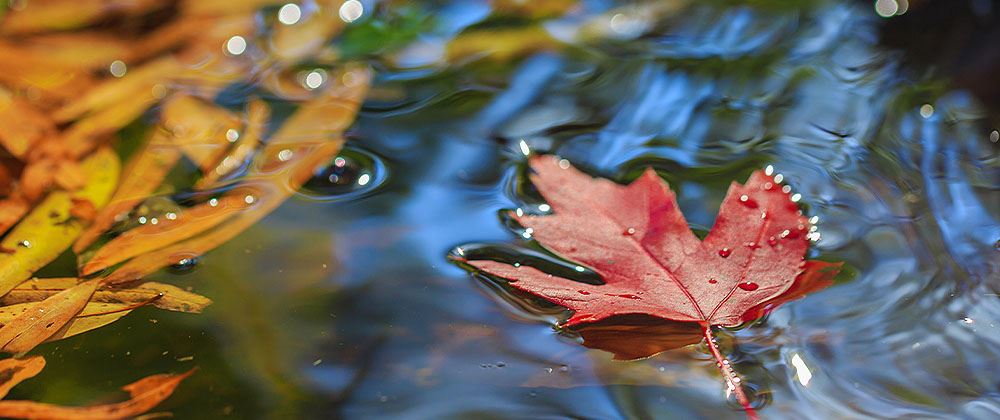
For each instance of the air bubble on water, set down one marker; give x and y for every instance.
(354, 174)
(778, 178)
(769, 170)
(786, 189)
(185, 265)
(563, 163)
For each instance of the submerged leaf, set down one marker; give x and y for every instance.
(145, 394)
(14, 371)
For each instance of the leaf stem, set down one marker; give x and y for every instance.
(732, 380)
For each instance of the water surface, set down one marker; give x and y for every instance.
(343, 304)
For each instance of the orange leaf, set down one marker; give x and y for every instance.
(14, 371)
(144, 173)
(308, 139)
(150, 237)
(202, 130)
(257, 116)
(145, 394)
(33, 327)
(11, 211)
(21, 125)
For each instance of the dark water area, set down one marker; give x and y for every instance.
(343, 303)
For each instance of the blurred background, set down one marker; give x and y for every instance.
(342, 303)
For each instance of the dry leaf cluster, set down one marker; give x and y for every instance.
(73, 74)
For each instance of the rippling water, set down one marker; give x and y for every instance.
(343, 302)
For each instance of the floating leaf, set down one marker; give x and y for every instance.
(309, 138)
(637, 240)
(257, 117)
(202, 130)
(150, 237)
(45, 318)
(163, 296)
(49, 229)
(21, 124)
(145, 394)
(146, 170)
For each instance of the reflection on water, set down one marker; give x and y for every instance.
(344, 302)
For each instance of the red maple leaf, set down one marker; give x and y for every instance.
(635, 237)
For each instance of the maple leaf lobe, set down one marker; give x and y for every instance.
(636, 238)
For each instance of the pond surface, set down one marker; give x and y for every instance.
(343, 303)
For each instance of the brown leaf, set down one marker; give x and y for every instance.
(145, 394)
(45, 318)
(14, 371)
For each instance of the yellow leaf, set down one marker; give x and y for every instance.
(48, 229)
